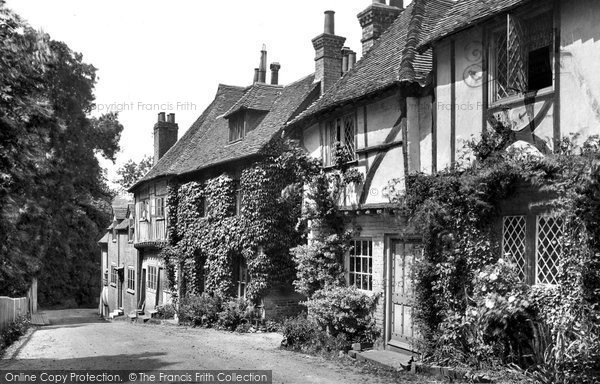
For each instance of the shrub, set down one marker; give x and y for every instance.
(345, 312)
(237, 312)
(13, 332)
(304, 334)
(201, 309)
(166, 311)
(320, 264)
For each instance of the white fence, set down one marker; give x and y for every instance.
(11, 308)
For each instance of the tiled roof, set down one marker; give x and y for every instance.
(120, 212)
(463, 14)
(124, 224)
(104, 238)
(206, 143)
(392, 59)
(259, 97)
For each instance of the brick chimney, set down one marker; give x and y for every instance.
(275, 67)
(328, 54)
(165, 135)
(376, 19)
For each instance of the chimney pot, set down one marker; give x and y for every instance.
(256, 75)
(351, 59)
(262, 72)
(171, 118)
(161, 117)
(275, 67)
(397, 3)
(329, 22)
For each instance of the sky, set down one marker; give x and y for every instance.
(154, 56)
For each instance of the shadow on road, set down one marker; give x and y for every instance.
(73, 316)
(142, 361)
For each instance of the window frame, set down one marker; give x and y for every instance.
(352, 281)
(503, 25)
(152, 278)
(114, 275)
(531, 267)
(131, 231)
(334, 132)
(144, 208)
(237, 127)
(159, 207)
(131, 279)
(537, 252)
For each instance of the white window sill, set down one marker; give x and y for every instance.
(131, 291)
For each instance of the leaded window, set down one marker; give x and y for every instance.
(548, 249)
(521, 55)
(341, 130)
(513, 242)
(360, 265)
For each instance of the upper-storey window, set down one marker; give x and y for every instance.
(160, 207)
(340, 130)
(521, 54)
(237, 127)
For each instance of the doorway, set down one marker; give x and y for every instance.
(401, 329)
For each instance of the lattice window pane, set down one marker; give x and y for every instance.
(517, 62)
(513, 241)
(548, 249)
(349, 135)
(501, 62)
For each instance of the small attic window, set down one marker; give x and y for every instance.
(237, 127)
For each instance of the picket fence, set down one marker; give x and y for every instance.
(12, 308)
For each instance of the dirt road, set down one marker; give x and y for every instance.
(77, 339)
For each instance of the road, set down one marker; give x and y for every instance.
(77, 339)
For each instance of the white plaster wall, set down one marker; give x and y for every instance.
(442, 105)
(381, 117)
(469, 95)
(425, 135)
(580, 64)
(312, 140)
(413, 134)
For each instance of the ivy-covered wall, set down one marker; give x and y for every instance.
(207, 236)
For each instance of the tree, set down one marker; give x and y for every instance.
(55, 199)
(131, 171)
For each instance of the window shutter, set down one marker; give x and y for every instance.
(517, 56)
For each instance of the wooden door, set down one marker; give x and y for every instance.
(402, 332)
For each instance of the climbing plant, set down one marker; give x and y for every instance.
(471, 307)
(208, 235)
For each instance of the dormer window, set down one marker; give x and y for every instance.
(237, 127)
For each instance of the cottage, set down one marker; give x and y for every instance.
(221, 147)
(529, 66)
(119, 262)
(380, 110)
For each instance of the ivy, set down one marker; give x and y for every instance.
(470, 308)
(207, 237)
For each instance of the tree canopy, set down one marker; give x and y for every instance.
(55, 199)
